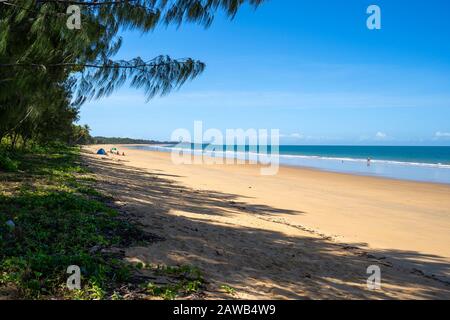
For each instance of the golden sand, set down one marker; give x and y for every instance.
(299, 234)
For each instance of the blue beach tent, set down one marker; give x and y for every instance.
(102, 152)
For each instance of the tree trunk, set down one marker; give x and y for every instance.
(14, 141)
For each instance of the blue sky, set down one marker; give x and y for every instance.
(309, 68)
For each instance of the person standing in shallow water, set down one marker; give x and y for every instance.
(368, 162)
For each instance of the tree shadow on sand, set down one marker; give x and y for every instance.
(282, 262)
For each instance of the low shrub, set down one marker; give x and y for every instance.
(7, 164)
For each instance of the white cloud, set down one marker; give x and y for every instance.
(442, 134)
(381, 135)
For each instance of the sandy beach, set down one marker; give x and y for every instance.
(301, 234)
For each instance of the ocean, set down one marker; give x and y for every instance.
(427, 164)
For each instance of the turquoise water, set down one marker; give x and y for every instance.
(430, 164)
(430, 155)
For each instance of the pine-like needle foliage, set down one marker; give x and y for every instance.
(42, 60)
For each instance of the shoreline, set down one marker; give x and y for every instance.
(385, 169)
(403, 223)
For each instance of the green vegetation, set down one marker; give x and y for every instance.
(105, 140)
(60, 220)
(185, 280)
(228, 289)
(7, 164)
